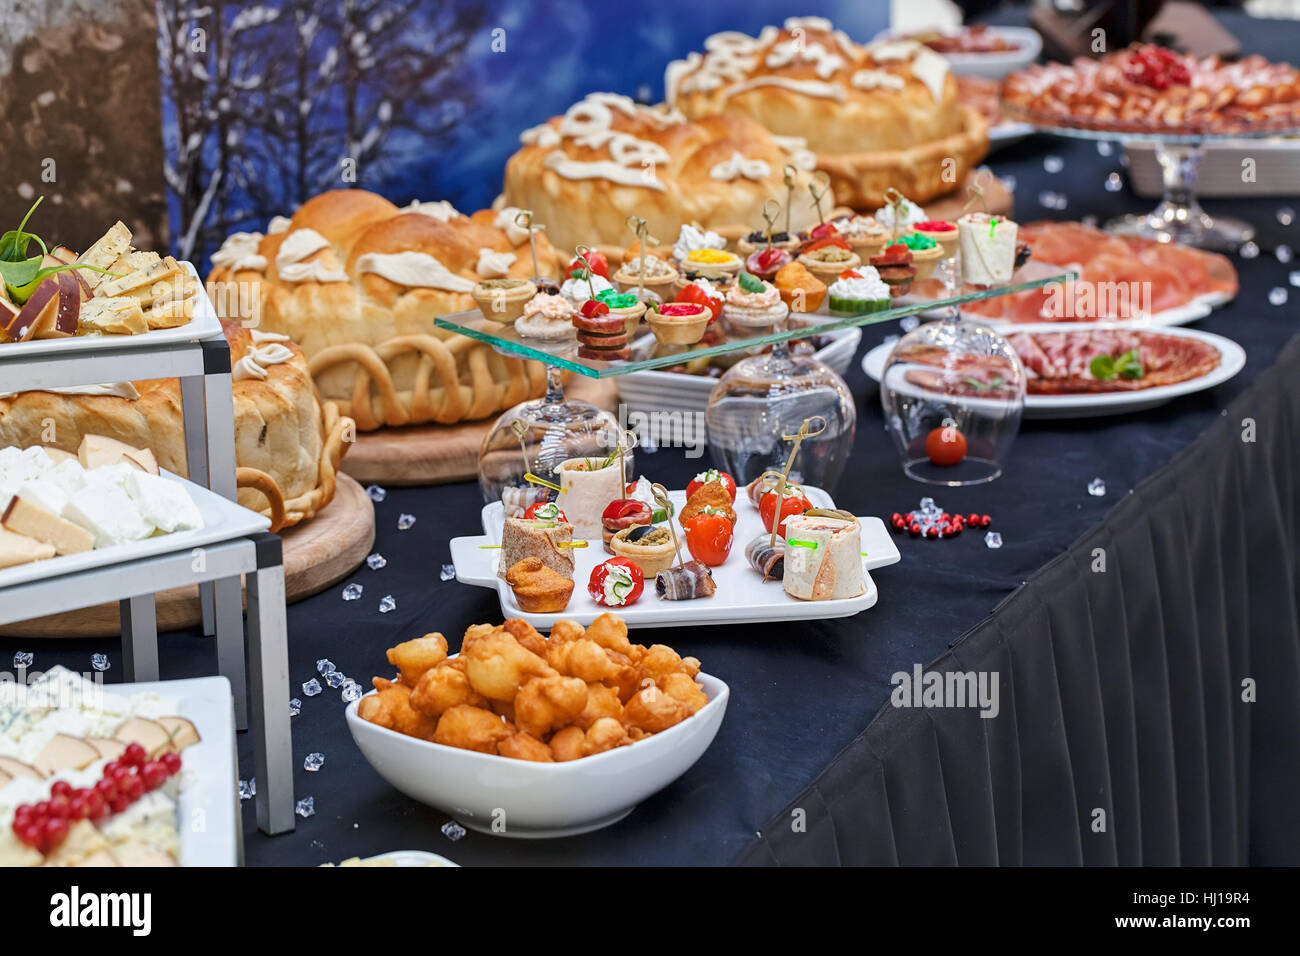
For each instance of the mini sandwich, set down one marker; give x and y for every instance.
(533, 538)
(988, 248)
(823, 556)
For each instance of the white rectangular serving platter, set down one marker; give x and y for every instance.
(206, 809)
(222, 521)
(741, 596)
(204, 325)
(1232, 359)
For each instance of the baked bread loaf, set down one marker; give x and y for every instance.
(357, 282)
(287, 443)
(875, 116)
(608, 158)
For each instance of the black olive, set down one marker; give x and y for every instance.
(639, 532)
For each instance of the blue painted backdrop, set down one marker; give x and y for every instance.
(268, 104)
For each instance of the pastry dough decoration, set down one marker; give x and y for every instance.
(875, 116)
(369, 337)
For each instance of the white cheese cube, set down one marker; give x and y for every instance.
(68, 476)
(107, 512)
(44, 494)
(110, 475)
(164, 502)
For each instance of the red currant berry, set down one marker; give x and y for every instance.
(106, 789)
(31, 832)
(172, 762)
(96, 806)
(79, 807)
(134, 788)
(932, 532)
(154, 774)
(985, 521)
(914, 530)
(60, 807)
(119, 803)
(111, 768)
(134, 756)
(55, 831)
(60, 788)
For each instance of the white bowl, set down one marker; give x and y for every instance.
(520, 798)
(995, 66)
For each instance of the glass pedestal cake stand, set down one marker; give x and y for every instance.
(1179, 216)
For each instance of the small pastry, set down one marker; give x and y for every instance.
(617, 582)
(691, 238)
(766, 263)
(823, 558)
(723, 478)
(912, 214)
(988, 248)
(712, 494)
(757, 240)
(547, 318)
(894, 266)
(626, 305)
(503, 300)
(536, 538)
(712, 263)
(800, 289)
(537, 588)
(588, 485)
(827, 258)
(622, 514)
(577, 290)
(753, 304)
(859, 291)
(862, 233)
(942, 232)
(659, 275)
(687, 582)
(679, 323)
(926, 253)
(650, 546)
(703, 292)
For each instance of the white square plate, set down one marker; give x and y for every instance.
(741, 594)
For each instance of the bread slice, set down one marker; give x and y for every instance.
(120, 315)
(106, 250)
(23, 517)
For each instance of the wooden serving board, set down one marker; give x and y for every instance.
(440, 454)
(317, 553)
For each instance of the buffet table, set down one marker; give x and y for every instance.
(1119, 690)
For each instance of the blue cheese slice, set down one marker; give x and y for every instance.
(107, 250)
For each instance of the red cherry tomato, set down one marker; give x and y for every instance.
(795, 504)
(599, 264)
(709, 536)
(594, 307)
(531, 511)
(946, 446)
(694, 295)
(822, 230)
(704, 477)
(627, 586)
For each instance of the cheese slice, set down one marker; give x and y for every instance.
(138, 282)
(119, 315)
(83, 844)
(23, 517)
(133, 261)
(110, 246)
(97, 451)
(106, 512)
(170, 315)
(163, 502)
(58, 454)
(143, 459)
(18, 549)
(44, 494)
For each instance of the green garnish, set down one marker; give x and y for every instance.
(617, 300)
(1105, 368)
(916, 241)
(23, 274)
(981, 386)
(750, 283)
(799, 543)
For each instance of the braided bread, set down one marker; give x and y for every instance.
(357, 283)
(287, 444)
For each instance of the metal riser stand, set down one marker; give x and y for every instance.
(203, 368)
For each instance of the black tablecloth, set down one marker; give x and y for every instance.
(1192, 777)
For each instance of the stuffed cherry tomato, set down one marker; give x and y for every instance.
(599, 264)
(794, 503)
(546, 510)
(709, 535)
(616, 582)
(704, 477)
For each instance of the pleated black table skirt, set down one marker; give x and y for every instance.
(1148, 689)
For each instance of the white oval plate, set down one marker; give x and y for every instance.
(1232, 358)
(992, 65)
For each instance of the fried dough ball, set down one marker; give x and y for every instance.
(602, 701)
(527, 635)
(443, 687)
(415, 657)
(391, 708)
(568, 743)
(503, 709)
(626, 678)
(605, 734)
(522, 746)
(682, 687)
(497, 665)
(610, 632)
(581, 658)
(473, 633)
(545, 703)
(660, 660)
(653, 710)
(566, 630)
(471, 728)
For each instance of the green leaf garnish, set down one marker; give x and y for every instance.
(22, 274)
(21, 293)
(13, 244)
(1105, 368)
(750, 283)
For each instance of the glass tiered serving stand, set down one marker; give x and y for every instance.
(538, 435)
